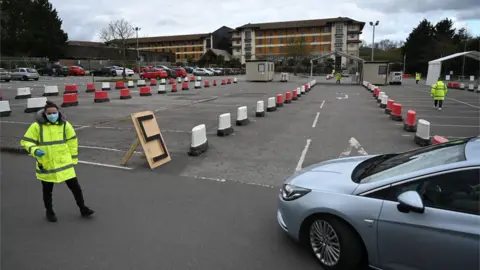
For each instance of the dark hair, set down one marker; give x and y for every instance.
(50, 104)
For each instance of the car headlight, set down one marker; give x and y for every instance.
(291, 192)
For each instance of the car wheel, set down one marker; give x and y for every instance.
(36, 79)
(25, 78)
(7, 80)
(334, 244)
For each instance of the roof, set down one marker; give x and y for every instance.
(85, 43)
(169, 38)
(299, 24)
(224, 53)
(346, 55)
(472, 54)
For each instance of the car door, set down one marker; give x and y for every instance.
(445, 236)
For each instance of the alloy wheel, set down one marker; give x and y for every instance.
(325, 243)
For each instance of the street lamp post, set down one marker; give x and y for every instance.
(464, 50)
(373, 35)
(138, 52)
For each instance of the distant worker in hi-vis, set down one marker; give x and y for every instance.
(417, 77)
(339, 77)
(439, 91)
(54, 144)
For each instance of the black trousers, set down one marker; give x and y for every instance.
(72, 184)
(416, 81)
(438, 103)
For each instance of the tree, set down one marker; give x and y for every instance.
(117, 32)
(418, 47)
(220, 60)
(386, 45)
(31, 28)
(296, 49)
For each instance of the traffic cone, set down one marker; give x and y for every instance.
(223, 82)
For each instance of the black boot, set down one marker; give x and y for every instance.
(86, 212)
(50, 215)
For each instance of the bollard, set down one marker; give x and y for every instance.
(174, 88)
(383, 103)
(388, 109)
(471, 87)
(185, 86)
(199, 143)
(224, 125)
(478, 89)
(179, 80)
(271, 106)
(410, 124)
(223, 82)
(229, 81)
(162, 81)
(235, 80)
(90, 88)
(35, 104)
(70, 100)
(422, 136)
(106, 86)
(380, 95)
(162, 89)
(197, 84)
(5, 108)
(242, 116)
(462, 86)
(396, 113)
(294, 94)
(199, 78)
(279, 100)
(185, 79)
(206, 84)
(299, 92)
(171, 81)
(260, 111)
(141, 83)
(214, 82)
(376, 91)
(125, 94)
(130, 84)
(288, 98)
(302, 89)
(50, 90)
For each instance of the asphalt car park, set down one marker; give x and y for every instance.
(459, 117)
(177, 211)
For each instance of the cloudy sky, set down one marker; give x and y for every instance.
(83, 19)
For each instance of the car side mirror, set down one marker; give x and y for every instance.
(410, 201)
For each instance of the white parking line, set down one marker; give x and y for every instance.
(104, 165)
(323, 103)
(302, 156)
(315, 120)
(105, 149)
(459, 101)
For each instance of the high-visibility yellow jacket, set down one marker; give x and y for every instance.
(60, 144)
(417, 76)
(439, 90)
(339, 76)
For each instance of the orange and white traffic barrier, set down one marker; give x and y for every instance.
(199, 144)
(242, 116)
(422, 136)
(153, 82)
(101, 96)
(279, 100)
(288, 97)
(439, 140)
(174, 88)
(383, 102)
(223, 82)
(145, 91)
(90, 88)
(162, 89)
(130, 84)
(271, 106)
(70, 100)
(71, 88)
(185, 86)
(294, 94)
(396, 113)
(410, 124)
(119, 85)
(388, 109)
(106, 86)
(23, 93)
(125, 94)
(206, 84)
(214, 82)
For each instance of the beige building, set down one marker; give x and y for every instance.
(321, 36)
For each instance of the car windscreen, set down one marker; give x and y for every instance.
(2, 70)
(31, 70)
(418, 159)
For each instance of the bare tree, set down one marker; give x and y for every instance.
(117, 32)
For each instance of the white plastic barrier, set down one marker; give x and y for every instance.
(383, 102)
(302, 89)
(478, 89)
(130, 84)
(380, 96)
(422, 136)
(224, 125)
(299, 92)
(260, 111)
(242, 116)
(271, 105)
(5, 108)
(162, 89)
(235, 80)
(186, 79)
(471, 87)
(50, 90)
(199, 143)
(105, 86)
(23, 93)
(35, 104)
(199, 78)
(197, 84)
(179, 79)
(141, 83)
(163, 81)
(462, 86)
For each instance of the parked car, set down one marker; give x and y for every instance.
(215, 72)
(48, 71)
(155, 73)
(76, 71)
(345, 73)
(220, 71)
(142, 69)
(189, 69)
(118, 71)
(171, 73)
(386, 208)
(24, 74)
(5, 75)
(180, 72)
(202, 72)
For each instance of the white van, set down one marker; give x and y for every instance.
(395, 77)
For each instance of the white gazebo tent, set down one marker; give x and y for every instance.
(435, 66)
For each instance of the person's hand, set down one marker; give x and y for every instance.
(39, 153)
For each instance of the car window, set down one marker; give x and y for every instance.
(426, 157)
(454, 191)
(2, 70)
(31, 70)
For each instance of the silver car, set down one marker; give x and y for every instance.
(25, 74)
(5, 75)
(414, 210)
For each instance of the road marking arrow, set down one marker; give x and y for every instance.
(353, 143)
(344, 97)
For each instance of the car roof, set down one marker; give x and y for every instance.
(472, 149)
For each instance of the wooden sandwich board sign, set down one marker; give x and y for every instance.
(151, 139)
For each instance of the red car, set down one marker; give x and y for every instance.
(142, 69)
(154, 74)
(76, 71)
(180, 72)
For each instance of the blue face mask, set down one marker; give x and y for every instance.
(52, 118)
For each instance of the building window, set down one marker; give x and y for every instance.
(269, 41)
(261, 67)
(339, 28)
(270, 49)
(281, 40)
(260, 41)
(326, 47)
(185, 49)
(237, 50)
(339, 41)
(326, 29)
(352, 36)
(260, 50)
(314, 30)
(314, 39)
(314, 47)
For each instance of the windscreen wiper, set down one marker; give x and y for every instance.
(366, 172)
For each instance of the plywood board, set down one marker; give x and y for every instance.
(151, 138)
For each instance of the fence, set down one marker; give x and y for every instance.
(10, 63)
